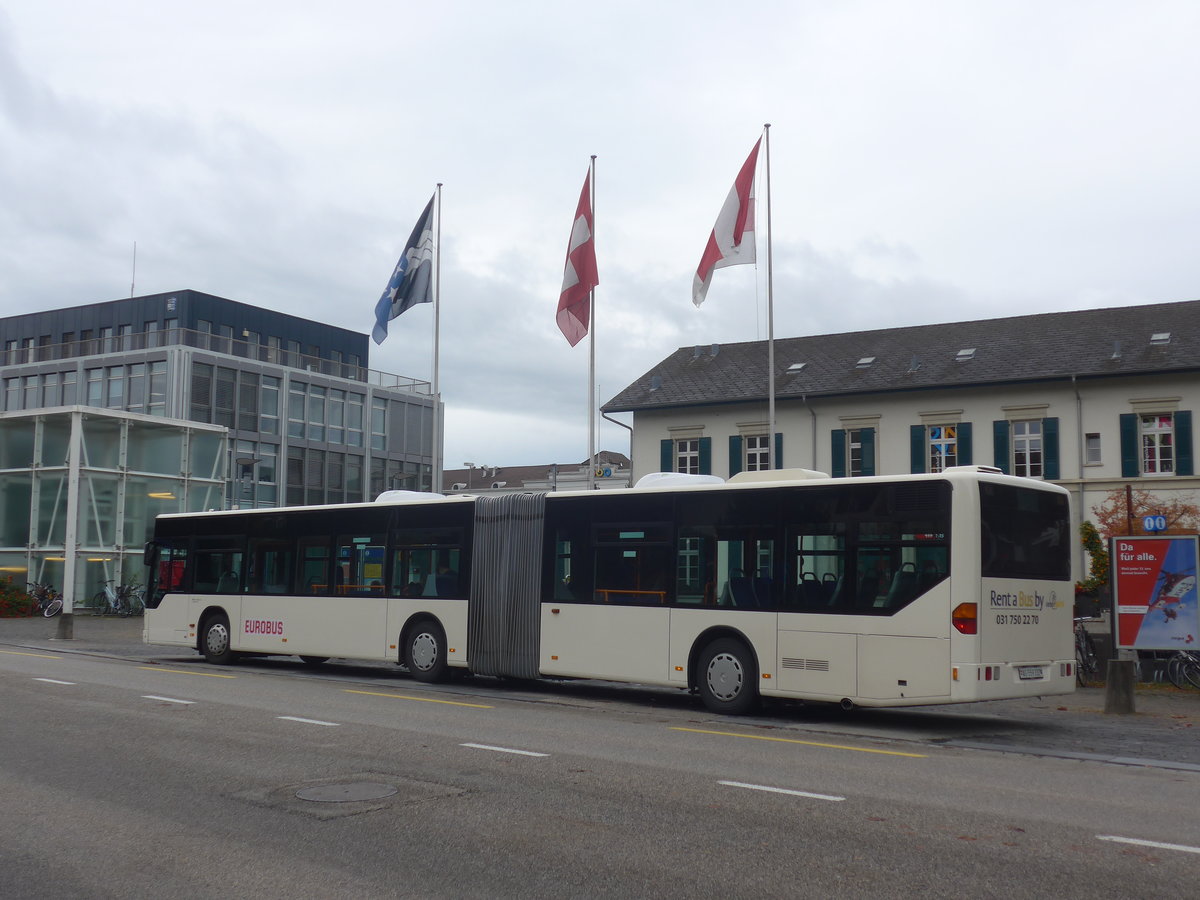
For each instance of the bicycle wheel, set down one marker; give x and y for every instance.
(99, 602)
(53, 608)
(1191, 669)
(1086, 660)
(1174, 669)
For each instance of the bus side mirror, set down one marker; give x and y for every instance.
(148, 554)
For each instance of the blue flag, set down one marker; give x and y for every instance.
(412, 281)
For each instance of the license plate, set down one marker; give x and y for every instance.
(1029, 673)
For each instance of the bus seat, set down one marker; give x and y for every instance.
(447, 584)
(811, 593)
(829, 583)
(868, 591)
(842, 596)
(762, 591)
(904, 586)
(227, 583)
(741, 592)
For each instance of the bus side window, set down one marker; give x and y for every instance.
(313, 566)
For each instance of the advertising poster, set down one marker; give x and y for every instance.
(1154, 581)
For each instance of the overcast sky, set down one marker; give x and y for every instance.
(930, 162)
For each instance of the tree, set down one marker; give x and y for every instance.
(1121, 512)
(1098, 568)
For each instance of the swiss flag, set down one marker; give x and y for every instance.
(732, 240)
(579, 273)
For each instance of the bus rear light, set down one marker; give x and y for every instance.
(965, 618)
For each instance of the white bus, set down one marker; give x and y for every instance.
(877, 591)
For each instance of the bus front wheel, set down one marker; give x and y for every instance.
(216, 640)
(425, 651)
(728, 677)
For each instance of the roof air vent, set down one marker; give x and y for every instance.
(655, 382)
(1116, 354)
(915, 364)
(1160, 338)
(964, 355)
(715, 349)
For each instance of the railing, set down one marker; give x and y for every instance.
(203, 340)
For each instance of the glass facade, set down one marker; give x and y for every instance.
(79, 490)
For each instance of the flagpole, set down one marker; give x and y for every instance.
(436, 485)
(591, 482)
(771, 461)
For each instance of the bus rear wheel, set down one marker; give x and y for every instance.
(216, 640)
(425, 651)
(728, 677)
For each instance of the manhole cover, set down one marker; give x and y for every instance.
(347, 793)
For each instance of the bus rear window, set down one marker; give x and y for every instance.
(1025, 533)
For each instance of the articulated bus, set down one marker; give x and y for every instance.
(873, 591)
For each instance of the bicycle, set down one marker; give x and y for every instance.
(1184, 668)
(1087, 660)
(46, 599)
(110, 600)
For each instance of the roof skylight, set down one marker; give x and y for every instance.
(963, 355)
(865, 362)
(1159, 338)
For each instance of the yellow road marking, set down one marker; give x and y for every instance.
(38, 655)
(421, 699)
(760, 737)
(185, 672)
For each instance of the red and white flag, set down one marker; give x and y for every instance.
(732, 240)
(579, 274)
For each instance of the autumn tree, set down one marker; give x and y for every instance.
(1121, 512)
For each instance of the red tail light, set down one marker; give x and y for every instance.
(966, 618)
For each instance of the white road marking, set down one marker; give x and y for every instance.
(166, 699)
(1124, 840)
(53, 681)
(775, 790)
(306, 721)
(503, 750)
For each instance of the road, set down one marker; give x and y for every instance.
(167, 777)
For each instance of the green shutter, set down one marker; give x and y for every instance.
(705, 456)
(868, 450)
(666, 455)
(1129, 445)
(916, 448)
(965, 454)
(1183, 444)
(735, 454)
(1000, 445)
(1050, 469)
(779, 449)
(837, 450)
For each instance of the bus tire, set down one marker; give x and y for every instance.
(728, 677)
(425, 651)
(216, 640)
(314, 660)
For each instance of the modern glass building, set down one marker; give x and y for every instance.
(185, 401)
(80, 487)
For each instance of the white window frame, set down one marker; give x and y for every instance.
(1027, 448)
(756, 452)
(687, 455)
(1091, 441)
(944, 437)
(1156, 434)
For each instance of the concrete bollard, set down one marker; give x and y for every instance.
(1118, 692)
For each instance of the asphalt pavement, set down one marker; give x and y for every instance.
(1163, 732)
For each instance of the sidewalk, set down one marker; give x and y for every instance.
(1165, 730)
